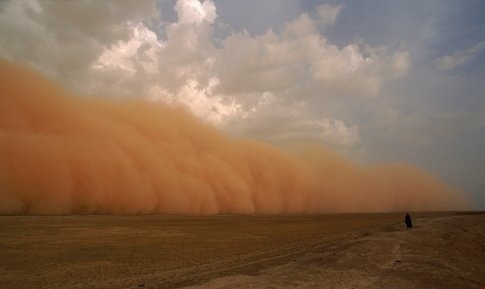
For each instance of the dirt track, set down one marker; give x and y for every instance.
(442, 252)
(359, 250)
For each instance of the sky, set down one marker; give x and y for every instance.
(377, 81)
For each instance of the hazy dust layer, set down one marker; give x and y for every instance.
(64, 154)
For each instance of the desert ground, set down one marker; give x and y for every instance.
(443, 250)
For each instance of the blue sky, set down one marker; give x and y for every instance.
(379, 81)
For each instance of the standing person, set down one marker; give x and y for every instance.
(407, 220)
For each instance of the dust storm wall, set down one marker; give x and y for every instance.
(64, 154)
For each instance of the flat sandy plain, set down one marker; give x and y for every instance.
(444, 250)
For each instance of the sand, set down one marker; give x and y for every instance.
(444, 250)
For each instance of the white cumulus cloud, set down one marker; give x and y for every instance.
(272, 86)
(461, 57)
(328, 14)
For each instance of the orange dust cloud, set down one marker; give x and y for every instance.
(63, 154)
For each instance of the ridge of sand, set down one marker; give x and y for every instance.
(440, 252)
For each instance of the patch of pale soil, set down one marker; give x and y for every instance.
(440, 252)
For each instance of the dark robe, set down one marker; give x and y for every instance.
(407, 220)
